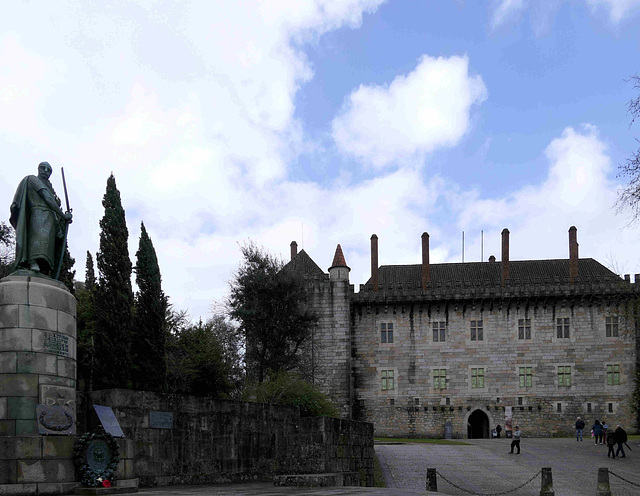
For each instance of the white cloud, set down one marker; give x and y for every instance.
(190, 105)
(427, 109)
(618, 9)
(577, 191)
(505, 10)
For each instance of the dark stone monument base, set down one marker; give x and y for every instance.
(48, 488)
(318, 480)
(125, 486)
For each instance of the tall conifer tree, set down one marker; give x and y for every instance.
(148, 338)
(114, 297)
(86, 324)
(90, 273)
(67, 275)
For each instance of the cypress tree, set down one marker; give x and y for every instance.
(114, 297)
(67, 275)
(148, 339)
(86, 324)
(90, 274)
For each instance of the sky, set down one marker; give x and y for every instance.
(324, 122)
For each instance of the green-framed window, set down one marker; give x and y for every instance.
(564, 376)
(613, 375)
(387, 380)
(439, 378)
(477, 378)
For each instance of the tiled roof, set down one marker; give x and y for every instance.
(480, 279)
(338, 259)
(303, 264)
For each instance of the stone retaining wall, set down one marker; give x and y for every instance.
(214, 441)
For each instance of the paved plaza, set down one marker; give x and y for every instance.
(483, 467)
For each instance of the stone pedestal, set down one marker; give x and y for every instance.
(37, 367)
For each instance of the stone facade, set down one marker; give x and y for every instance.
(464, 344)
(214, 441)
(37, 367)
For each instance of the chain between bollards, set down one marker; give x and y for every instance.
(432, 484)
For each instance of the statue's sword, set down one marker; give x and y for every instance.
(66, 226)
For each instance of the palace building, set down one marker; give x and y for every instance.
(455, 349)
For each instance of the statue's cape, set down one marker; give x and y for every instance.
(18, 217)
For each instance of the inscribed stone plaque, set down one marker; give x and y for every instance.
(108, 420)
(56, 343)
(55, 420)
(161, 420)
(51, 395)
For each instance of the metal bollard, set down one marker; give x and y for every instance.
(546, 486)
(432, 483)
(603, 488)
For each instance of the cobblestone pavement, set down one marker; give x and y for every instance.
(482, 467)
(487, 467)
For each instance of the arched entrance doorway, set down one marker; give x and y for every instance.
(478, 425)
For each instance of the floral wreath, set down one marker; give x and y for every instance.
(87, 476)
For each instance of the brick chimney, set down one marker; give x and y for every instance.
(426, 276)
(294, 249)
(505, 255)
(374, 262)
(573, 254)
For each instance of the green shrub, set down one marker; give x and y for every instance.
(288, 388)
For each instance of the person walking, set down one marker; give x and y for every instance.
(515, 443)
(579, 428)
(597, 431)
(605, 427)
(498, 431)
(611, 441)
(621, 439)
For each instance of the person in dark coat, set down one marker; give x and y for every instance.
(579, 427)
(611, 441)
(621, 438)
(498, 431)
(515, 443)
(597, 431)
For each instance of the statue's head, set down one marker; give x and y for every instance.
(44, 169)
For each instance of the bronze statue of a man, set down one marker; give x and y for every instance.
(39, 222)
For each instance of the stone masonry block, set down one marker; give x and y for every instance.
(8, 472)
(22, 407)
(8, 362)
(7, 427)
(45, 471)
(19, 489)
(3, 407)
(57, 381)
(13, 448)
(14, 339)
(55, 297)
(13, 292)
(66, 324)
(25, 427)
(9, 316)
(129, 469)
(37, 363)
(30, 316)
(57, 446)
(127, 447)
(66, 367)
(18, 385)
(52, 488)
